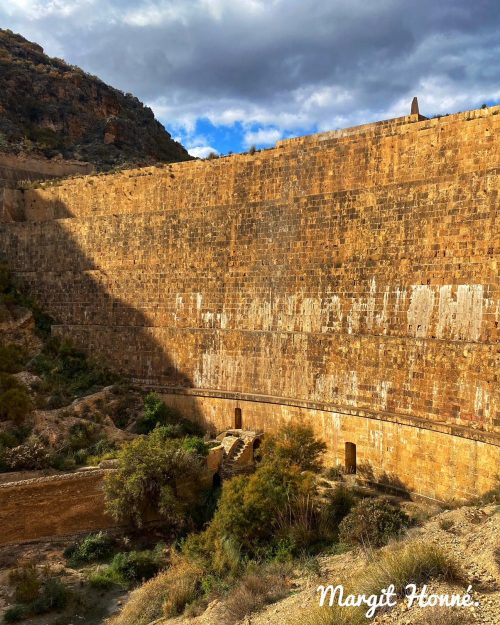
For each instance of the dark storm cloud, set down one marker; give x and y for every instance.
(281, 63)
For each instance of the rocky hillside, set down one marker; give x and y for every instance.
(50, 108)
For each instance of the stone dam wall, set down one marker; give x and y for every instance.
(56, 505)
(349, 280)
(65, 504)
(15, 169)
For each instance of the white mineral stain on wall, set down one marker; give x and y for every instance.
(383, 318)
(449, 311)
(400, 301)
(199, 300)
(420, 310)
(482, 402)
(377, 440)
(310, 314)
(469, 311)
(460, 317)
(332, 318)
(352, 390)
(446, 310)
(326, 388)
(354, 316)
(383, 390)
(435, 393)
(370, 305)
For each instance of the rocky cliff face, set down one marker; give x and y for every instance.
(50, 108)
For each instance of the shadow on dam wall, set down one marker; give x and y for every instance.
(50, 267)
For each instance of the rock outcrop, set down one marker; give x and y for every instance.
(50, 108)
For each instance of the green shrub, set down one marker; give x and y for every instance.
(68, 372)
(195, 445)
(82, 435)
(372, 523)
(134, 566)
(104, 578)
(8, 382)
(5, 279)
(255, 513)
(157, 413)
(3, 461)
(294, 445)
(12, 358)
(128, 568)
(15, 405)
(26, 583)
(36, 592)
(15, 613)
(145, 483)
(9, 438)
(92, 548)
(102, 446)
(446, 524)
(335, 473)
(53, 596)
(338, 505)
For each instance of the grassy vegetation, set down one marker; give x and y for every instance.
(259, 586)
(401, 564)
(335, 615)
(165, 594)
(443, 616)
(67, 373)
(414, 562)
(262, 524)
(35, 592)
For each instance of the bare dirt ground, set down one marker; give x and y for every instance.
(86, 604)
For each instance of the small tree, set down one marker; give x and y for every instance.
(15, 404)
(294, 445)
(145, 484)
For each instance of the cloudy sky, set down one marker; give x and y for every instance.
(223, 75)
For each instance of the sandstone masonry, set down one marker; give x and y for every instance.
(348, 279)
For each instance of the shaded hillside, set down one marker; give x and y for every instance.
(52, 108)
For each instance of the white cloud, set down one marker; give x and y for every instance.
(281, 66)
(263, 136)
(202, 151)
(156, 13)
(36, 9)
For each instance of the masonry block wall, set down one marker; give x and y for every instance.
(52, 506)
(352, 274)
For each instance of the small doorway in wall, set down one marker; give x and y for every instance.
(238, 424)
(350, 458)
